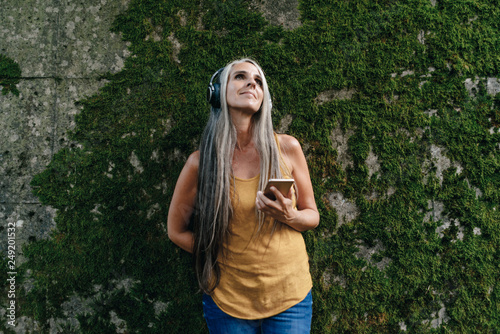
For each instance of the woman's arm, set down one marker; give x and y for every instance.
(182, 204)
(306, 216)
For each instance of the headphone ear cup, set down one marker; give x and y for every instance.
(215, 98)
(213, 90)
(210, 93)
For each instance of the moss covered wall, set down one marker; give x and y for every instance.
(397, 107)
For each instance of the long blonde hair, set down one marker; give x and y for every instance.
(213, 200)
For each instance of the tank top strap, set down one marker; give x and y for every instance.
(283, 166)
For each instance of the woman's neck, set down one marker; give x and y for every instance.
(244, 130)
(246, 161)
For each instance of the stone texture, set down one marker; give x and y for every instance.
(32, 221)
(329, 279)
(86, 47)
(471, 85)
(372, 163)
(330, 95)
(69, 91)
(62, 49)
(27, 136)
(493, 86)
(440, 162)
(283, 13)
(285, 123)
(35, 126)
(347, 211)
(62, 39)
(438, 318)
(28, 35)
(339, 143)
(367, 253)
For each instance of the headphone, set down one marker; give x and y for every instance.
(213, 90)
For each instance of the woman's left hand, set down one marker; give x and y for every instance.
(306, 215)
(280, 209)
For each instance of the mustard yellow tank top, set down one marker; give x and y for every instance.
(263, 273)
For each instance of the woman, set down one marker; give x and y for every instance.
(250, 257)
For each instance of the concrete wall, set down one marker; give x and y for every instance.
(62, 49)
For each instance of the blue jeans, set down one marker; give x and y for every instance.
(295, 320)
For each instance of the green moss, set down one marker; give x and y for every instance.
(10, 73)
(401, 60)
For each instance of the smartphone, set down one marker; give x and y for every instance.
(283, 185)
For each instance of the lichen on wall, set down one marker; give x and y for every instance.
(396, 107)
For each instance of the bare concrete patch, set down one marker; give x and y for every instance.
(160, 307)
(330, 95)
(421, 37)
(176, 45)
(339, 143)
(182, 15)
(329, 279)
(438, 318)
(407, 72)
(33, 221)
(85, 46)
(493, 86)
(431, 113)
(29, 39)
(76, 306)
(471, 85)
(436, 214)
(69, 91)
(283, 13)
(26, 136)
(120, 324)
(367, 253)
(64, 39)
(372, 163)
(155, 35)
(440, 161)
(136, 163)
(347, 211)
(285, 123)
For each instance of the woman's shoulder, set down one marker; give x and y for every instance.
(193, 161)
(289, 145)
(291, 151)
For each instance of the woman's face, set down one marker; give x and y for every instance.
(244, 88)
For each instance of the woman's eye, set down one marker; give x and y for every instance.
(238, 76)
(259, 82)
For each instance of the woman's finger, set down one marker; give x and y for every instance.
(279, 196)
(261, 201)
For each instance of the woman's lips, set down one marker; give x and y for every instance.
(248, 92)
